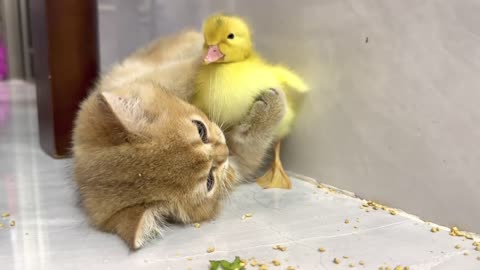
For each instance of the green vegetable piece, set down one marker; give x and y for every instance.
(225, 265)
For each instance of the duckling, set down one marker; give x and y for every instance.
(233, 75)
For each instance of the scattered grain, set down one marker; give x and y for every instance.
(12, 223)
(458, 247)
(197, 225)
(263, 267)
(210, 249)
(322, 249)
(347, 221)
(290, 267)
(276, 262)
(247, 215)
(392, 212)
(351, 265)
(6, 214)
(279, 247)
(361, 262)
(337, 261)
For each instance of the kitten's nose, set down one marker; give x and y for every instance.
(220, 154)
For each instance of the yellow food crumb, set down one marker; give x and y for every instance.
(458, 247)
(210, 249)
(337, 261)
(1, 225)
(355, 227)
(435, 229)
(392, 212)
(351, 265)
(361, 262)
(322, 249)
(387, 268)
(247, 215)
(6, 214)
(347, 221)
(12, 223)
(253, 262)
(399, 267)
(263, 267)
(465, 254)
(476, 244)
(345, 257)
(367, 211)
(189, 258)
(380, 268)
(477, 248)
(406, 268)
(454, 231)
(276, 262)
(279, 247)
(197, 225)
(290, 267)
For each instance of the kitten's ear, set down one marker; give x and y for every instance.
(137, 225)
(128, 110)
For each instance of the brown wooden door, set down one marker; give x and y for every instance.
(66, 64)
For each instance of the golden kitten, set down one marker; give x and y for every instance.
(144, 157)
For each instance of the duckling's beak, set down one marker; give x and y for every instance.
(213, 54)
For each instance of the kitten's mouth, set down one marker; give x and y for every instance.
(210, 181)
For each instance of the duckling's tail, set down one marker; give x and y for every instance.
(290, 79)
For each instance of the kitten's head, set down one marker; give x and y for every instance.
(144, 158)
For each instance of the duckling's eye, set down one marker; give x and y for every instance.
(231, 36)
(202, 130)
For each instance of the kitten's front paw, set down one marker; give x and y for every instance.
(269, 108)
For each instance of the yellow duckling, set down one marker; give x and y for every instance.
(233, 75)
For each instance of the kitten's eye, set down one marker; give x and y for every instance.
(202, 130)
(231, 36)
(210, 181)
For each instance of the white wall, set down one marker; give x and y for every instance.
(395, 120)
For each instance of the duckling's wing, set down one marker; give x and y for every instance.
(290, 79)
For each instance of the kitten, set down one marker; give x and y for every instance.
(143, 156)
